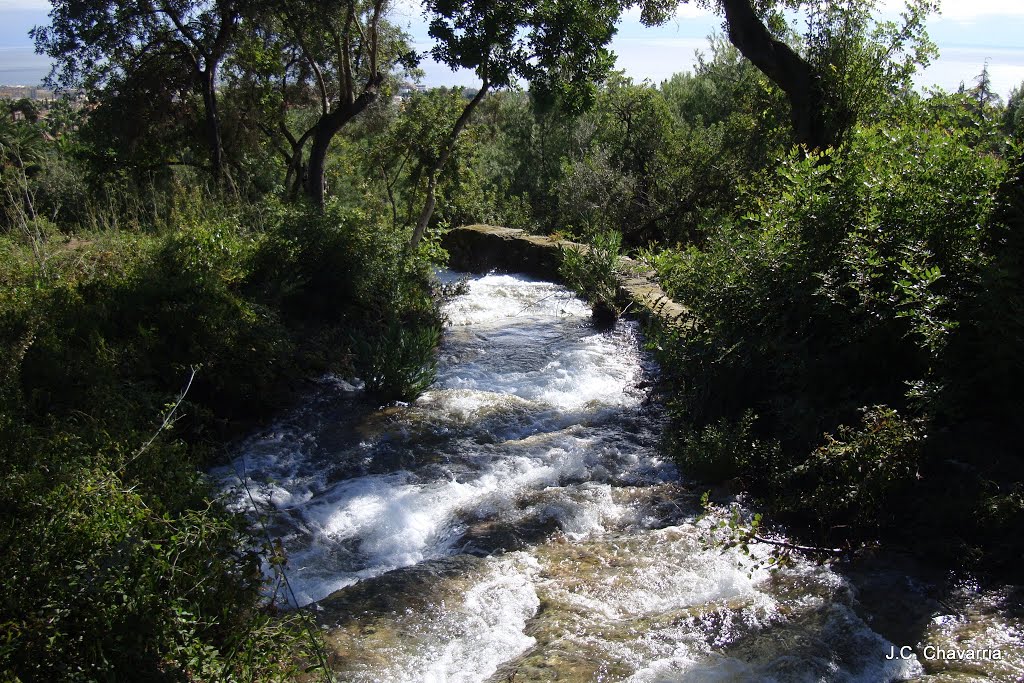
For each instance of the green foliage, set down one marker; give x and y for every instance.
(727, 90)
(410, 146)
(859, 479)
(400, 362)
(615, 184)
(724, 450)
(984, 345)
(591, 271)
(100, 584)
(866, 65)
(143, 123)
(655, 164)
(734, 529)
(873, 274)
(522, 160)
(885, 272)
(559, 47)
(846, 282)
(120, 564)
(864, 253)
(1013, 115)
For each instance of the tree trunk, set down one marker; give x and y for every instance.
(213, 134)
(326, 128)
(316, 181)
(295, 177)
(435, 170)
(788, 70)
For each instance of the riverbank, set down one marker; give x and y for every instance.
(519, 521)
(481, 248)
(950, 612)
(128, 359)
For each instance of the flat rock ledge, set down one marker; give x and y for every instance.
(485, 248)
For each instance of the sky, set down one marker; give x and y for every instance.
(969, 33)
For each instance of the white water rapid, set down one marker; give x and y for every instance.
(517, 523)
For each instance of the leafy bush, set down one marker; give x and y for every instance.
(400, 361)
(347, 267)
(847, 281)
(858, 479)
(862, 253)
(119, 564)
(100, 584)
(722, 451)
(591, 272)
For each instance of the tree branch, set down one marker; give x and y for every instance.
(163, 425)
(449, 146)
(183, 29)
(321, 84)
(801, 548)
(788, 70)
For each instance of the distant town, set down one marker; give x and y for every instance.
(30, 92)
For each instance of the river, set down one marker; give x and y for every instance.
(518, 523)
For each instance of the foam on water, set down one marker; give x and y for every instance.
(502, 298)
(469, 639)
(518, 519)
(520, 372)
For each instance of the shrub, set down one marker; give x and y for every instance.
(841, 282)
(851, 278)
(591, 272)
(118, 565)
(101, 585)
(349, 268)
(723, 451)
(399, 361)
(855, 483)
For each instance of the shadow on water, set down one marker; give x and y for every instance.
(928, 610)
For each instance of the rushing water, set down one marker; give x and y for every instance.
(517, 523)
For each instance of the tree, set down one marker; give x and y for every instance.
(985, 99)
(840, 59)
(786, 68)
(270, 93)
(1013, 117)
(408, 146)
(347, 50)
(95, 42)
(27, 108)
(615, 179)
(558, 46)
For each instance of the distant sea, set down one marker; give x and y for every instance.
(963, 64)
(654, 59)
(22, 66)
